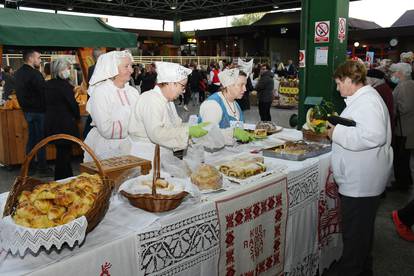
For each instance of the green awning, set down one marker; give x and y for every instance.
(28, 28)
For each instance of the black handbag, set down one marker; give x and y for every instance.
(401, 162)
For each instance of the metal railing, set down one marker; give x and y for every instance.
(15, 60)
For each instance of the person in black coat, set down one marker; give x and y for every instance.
(149, 79)
(30, 92)
(264, 89)
(62, 115)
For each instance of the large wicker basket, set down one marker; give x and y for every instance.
(155, 202)
(26, 183)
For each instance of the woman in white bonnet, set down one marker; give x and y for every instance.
(222, 109)
(110, 103)
(155, 119)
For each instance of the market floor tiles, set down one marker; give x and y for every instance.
(392, 255)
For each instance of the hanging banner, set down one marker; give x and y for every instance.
(341, 29)
(322, 30)
(253, 230)
(302, 61)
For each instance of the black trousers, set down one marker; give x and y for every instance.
(358, 221)
(406, 214)
(63, 167)
(187, 96)
(264, 111)
(202, 96)
(401, 162)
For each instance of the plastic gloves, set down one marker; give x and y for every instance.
(198, 131)
(243, 135)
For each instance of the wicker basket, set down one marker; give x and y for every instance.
(309, 135)
(155, 202)
(26, 183)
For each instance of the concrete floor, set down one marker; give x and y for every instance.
(392, 255)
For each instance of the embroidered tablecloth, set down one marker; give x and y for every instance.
(186, 241)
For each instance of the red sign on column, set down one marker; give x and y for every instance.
(322, 30)
(341, 29)
(302, 62)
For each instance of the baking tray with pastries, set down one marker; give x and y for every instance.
(297, 150)
(53, 204)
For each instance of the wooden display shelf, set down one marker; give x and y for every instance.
(14, 135)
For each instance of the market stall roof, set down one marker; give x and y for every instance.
(28, 28)
(407, 19)
(163, 9)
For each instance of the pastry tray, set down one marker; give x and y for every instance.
(269, 152)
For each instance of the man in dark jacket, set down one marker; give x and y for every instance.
(9, 82)
(291, 69)
(194, 80)
(30, 91)
(264, 90)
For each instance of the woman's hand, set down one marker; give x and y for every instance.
(330, 130)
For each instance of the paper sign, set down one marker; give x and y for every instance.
(302, 62)
(322, 30)
(370, 57)
(321, 55)
(341, 29)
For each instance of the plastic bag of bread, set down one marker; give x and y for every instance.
(206, 177)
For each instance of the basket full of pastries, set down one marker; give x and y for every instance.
(156, 194)
(40, 214)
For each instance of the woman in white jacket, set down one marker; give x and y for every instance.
(361, 161)
(110, 103)
(155, 119)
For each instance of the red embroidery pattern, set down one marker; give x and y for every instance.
(120, 130)
(257, 235)
(105, 269)
(329, 206)
(113, 130)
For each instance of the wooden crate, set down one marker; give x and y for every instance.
(117, 168)
(14, 135)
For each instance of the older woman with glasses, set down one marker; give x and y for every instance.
(62, 114)
(155, 119)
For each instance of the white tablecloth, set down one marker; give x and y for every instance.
(185, 241)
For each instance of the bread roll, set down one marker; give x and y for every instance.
(56, 212)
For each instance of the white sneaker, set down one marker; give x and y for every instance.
(185, 107)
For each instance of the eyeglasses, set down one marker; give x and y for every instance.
(182, 85)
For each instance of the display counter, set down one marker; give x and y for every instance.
(212, 234)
